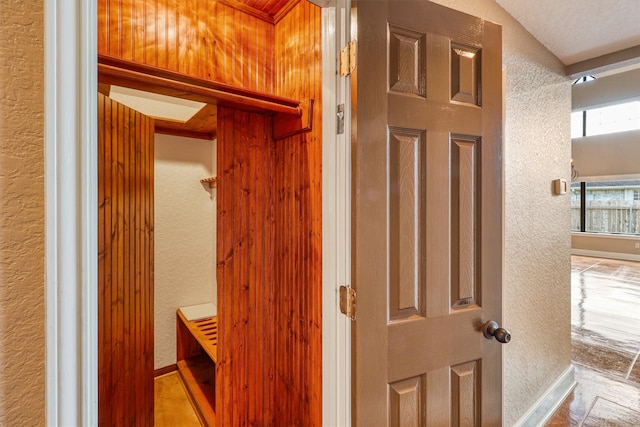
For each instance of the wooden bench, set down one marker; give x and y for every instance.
(197, 352)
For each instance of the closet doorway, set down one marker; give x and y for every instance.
(268, 239)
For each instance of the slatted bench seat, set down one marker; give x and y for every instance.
(197, 353)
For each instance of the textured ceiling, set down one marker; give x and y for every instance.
(577, 30)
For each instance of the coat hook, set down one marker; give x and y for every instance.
(213, 181)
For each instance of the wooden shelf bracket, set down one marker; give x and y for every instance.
(286, 125)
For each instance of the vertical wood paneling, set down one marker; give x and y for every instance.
(224, 262)
(269, 243)
(200, 38)
(147, 322)
(125, 244)
(171, 35)
(112, 22)
(104, 256)
(103, 28)
(128, 20)
(298, 278)
(182, 35)
(161, 30)
(138, 363)
(150, 28)
(244, 264)
(117, 230)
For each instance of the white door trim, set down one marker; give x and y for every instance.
(71, 194)
(336, 221)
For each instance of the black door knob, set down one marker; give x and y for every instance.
(491, 329)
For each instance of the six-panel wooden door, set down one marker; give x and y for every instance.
(427, 216)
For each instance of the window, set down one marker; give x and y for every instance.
(609, 207)
(605, 206)
(576, 192)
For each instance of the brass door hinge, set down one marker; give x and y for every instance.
(348, 59)
(348, 302)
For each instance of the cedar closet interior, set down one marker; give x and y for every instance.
(248, 242)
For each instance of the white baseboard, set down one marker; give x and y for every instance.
(546, 406)
(602, 254)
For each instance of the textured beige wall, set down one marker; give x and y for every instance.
(22, 376)
(184, 235)
(537, 238)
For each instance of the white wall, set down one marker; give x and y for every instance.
(537, 238)
(185, 234)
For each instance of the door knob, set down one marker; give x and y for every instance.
(491, 329)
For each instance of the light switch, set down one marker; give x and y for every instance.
(559, 186)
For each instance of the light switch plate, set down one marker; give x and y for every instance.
(559, 186)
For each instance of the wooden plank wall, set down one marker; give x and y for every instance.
(199, 38)
(245, 268)
(298, 226)
(269, 249)
(125, 265)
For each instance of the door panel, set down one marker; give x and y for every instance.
(406, 223)
(427, 216)
(125, 265)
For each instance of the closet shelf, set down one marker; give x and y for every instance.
(212, 180)
(139, 76)
(290, 116)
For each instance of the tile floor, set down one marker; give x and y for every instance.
(172, 405)
(605, 335)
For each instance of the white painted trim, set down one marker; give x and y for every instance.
(542, 411)
(71, 193)
(336, 225)
(607, 236)
(609, 62)
(602, 254)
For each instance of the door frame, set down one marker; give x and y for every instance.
(71, 217)
(336, 216)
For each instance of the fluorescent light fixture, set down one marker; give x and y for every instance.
(154, 105)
